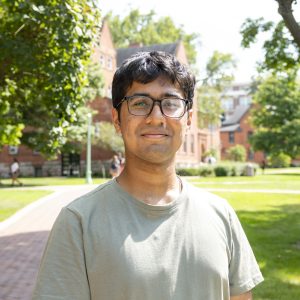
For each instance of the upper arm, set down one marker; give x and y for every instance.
(245, 296)
(62, 273)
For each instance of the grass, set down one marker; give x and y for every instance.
(272, 225)
(268, 181)
(13, 200)
(46, 181)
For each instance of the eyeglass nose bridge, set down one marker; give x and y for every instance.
(159, 105)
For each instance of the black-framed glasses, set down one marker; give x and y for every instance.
(171, 107)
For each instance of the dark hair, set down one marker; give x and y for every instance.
(145, 67)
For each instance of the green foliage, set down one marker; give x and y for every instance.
(229, 168)
(107, 137)
(281, 50)
(279, 160)
(219, 75)
(148, 29)
(276, 115)
(219, 71)
(45, 46)
(237, 153)
(222, 171)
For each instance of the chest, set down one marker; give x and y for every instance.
(178, 250)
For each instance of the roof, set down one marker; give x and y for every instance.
(124, 53)
(236, 116)
(234, 127)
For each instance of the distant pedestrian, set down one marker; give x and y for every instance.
(115, 166)
(15, 172)
(263, 166)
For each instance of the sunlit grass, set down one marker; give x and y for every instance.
(272, 225)
(13, 200)
(46, 181)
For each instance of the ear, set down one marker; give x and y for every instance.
(115, 119)
(189, 117)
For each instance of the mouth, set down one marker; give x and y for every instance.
(155, 135)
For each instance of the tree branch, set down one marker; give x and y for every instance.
(286, 11)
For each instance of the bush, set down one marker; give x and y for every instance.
(237, 153)
(188, 172)
(229, 168)
(221, 171)
(206, 171)
(280, 160)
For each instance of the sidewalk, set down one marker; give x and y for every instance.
(23, 238)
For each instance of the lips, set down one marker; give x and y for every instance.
(154, 135)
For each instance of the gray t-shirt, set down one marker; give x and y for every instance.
(108, 245)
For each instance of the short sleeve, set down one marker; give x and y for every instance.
(62, 273)
(244, 272)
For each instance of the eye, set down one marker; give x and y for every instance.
(172, 103)
(140, 102)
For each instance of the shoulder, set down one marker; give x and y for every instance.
(208, 203)
(92, 201)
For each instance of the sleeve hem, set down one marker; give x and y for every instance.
(246, 286)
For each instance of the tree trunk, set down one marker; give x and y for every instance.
(285, 10)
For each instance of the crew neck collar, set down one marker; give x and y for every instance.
(154, 209)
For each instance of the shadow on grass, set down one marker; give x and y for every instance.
(20, 256)
(284, 174)
(274, 237)
(2, 186)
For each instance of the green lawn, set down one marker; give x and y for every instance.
(271, 181)
(43, 181)
(13, 200)
(272, 224)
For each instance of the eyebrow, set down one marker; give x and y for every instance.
(164, 95)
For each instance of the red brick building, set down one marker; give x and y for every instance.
(236, 129)
(197, 141)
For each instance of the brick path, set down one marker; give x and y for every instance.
(23, 238)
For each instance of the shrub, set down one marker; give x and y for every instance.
(237, 153)
(221, 171)
(188, 172)
(206, 171)
(280, 160)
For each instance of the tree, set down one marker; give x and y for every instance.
(282, 46)
(147, 29)
(276, 115)
(76, 133)
(107, 138)
(45, 47)
(219, 75)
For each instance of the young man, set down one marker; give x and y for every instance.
(147, 234)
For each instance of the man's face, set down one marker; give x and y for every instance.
(154, 138)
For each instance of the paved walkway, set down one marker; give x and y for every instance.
(23, 238)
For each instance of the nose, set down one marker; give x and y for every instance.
(156, 112)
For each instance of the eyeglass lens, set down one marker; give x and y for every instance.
(142, 106)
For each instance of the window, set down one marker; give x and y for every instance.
(109, 63)
(13, 150)
(250, 133)
(35, 152)
(250, 155)
(108, 92)
(102, 60)
(192, 144)
(231, 137)
(185, 144)
(244, 100)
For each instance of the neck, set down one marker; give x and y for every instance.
(152, 184)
